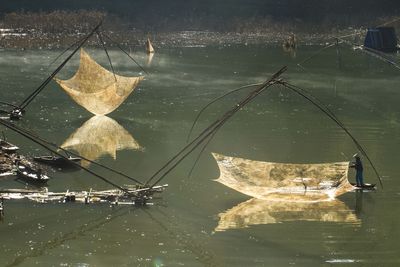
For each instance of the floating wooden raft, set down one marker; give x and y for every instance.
(135, 195)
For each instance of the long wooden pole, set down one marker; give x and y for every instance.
(29, 99)
(210, 130)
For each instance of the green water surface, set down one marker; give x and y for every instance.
(179, 229)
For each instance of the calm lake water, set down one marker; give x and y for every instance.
(180, 228)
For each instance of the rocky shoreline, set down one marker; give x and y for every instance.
(34, 39)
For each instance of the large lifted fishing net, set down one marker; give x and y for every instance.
(283, 181)
(97, 89)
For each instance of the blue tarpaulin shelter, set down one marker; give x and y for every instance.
(382, 39)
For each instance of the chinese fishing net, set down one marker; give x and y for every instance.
(284, 181)
(97, 89)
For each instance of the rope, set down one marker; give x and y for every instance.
(105, 50)
(325, 110)
(215, 100)
(316, 53)
(63, 52)
(126, 53)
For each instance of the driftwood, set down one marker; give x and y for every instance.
(135, 195)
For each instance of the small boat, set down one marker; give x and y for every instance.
(7, 146)
(62, 162)
(31, 175)
(364, 186)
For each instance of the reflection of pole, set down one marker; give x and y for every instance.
(1, 209)
(76, 233)
(208, 258)
(359, 202)
(338, 55)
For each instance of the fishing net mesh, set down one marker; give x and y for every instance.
(97, 89)
(283, 181)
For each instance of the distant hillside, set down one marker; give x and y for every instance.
(58, 23)
(219, 14)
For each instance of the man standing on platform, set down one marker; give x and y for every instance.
(359, 170)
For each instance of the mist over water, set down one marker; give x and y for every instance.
(180, 228)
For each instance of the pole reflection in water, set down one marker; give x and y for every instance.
(258, 211)
(359, 202)
(100, 136)
(149, 59)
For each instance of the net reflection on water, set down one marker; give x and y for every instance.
(100, 136)
(259, 211)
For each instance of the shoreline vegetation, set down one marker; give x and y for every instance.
(59, 29)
